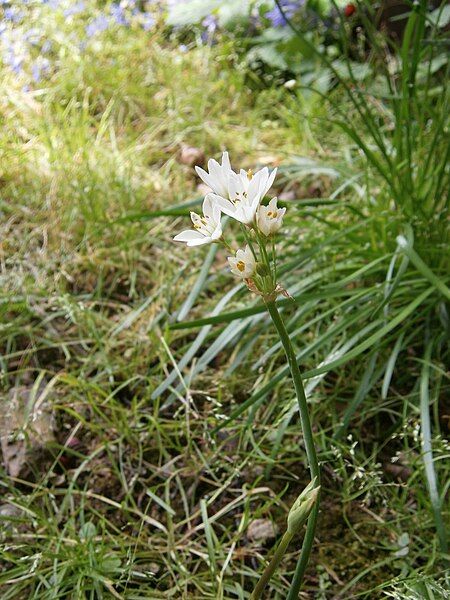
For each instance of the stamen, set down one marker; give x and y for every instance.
(240, 265)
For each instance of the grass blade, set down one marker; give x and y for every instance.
(199, 284)
(422, 267)
(427, 451)
(373, 339)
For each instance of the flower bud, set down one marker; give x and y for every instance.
(302, 507)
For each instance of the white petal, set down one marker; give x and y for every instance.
(239, 215)
(200, 242)
(216, 234)
(226, 161)
(273, 204)
(207, 206)
(234, 186)
(249, 258)
(269, 182)
(214, 168)
(205, 177)
(249, 213)
(254, 185)
(240, 255)
(227, 207)
(216, 212)
(188, 235)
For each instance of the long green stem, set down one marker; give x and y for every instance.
(271, 567)
(309, 445)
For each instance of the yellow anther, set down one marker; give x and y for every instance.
(241, 266)
(250, 174)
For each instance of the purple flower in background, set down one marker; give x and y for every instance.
(75, 9)
(32, 36)
(52, 3)
(210, 25)
(147, 21)
(39, 68)
(118, 14)
(13, 61)
(290, 7)
(46, 46)
(13, 14)
(97, 25)
(36, 72)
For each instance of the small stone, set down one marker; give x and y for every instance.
(190, 155)
(261, 530)
(287, 195)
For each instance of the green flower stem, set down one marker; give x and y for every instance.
(309, 444)
(271, 567)
(274, 258)
(249, 242)
(266, 261)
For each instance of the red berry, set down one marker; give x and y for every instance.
(349, 10)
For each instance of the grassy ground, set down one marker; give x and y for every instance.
(131, 496)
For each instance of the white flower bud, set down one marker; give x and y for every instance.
(270, 218)
(243, 264)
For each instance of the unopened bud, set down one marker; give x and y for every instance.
(302, 507)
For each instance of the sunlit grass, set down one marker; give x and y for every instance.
(149, 502)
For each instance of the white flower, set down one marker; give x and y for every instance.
(243, 264)
(245, 192)
(270, 218)
(207, 228)
(218, 176)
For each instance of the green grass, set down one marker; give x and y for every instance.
(175, 425)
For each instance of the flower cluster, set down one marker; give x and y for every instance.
(240, 196)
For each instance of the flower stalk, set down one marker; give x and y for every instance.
(240, 196)
(272, 566)
(309, 445)
(297, 516)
